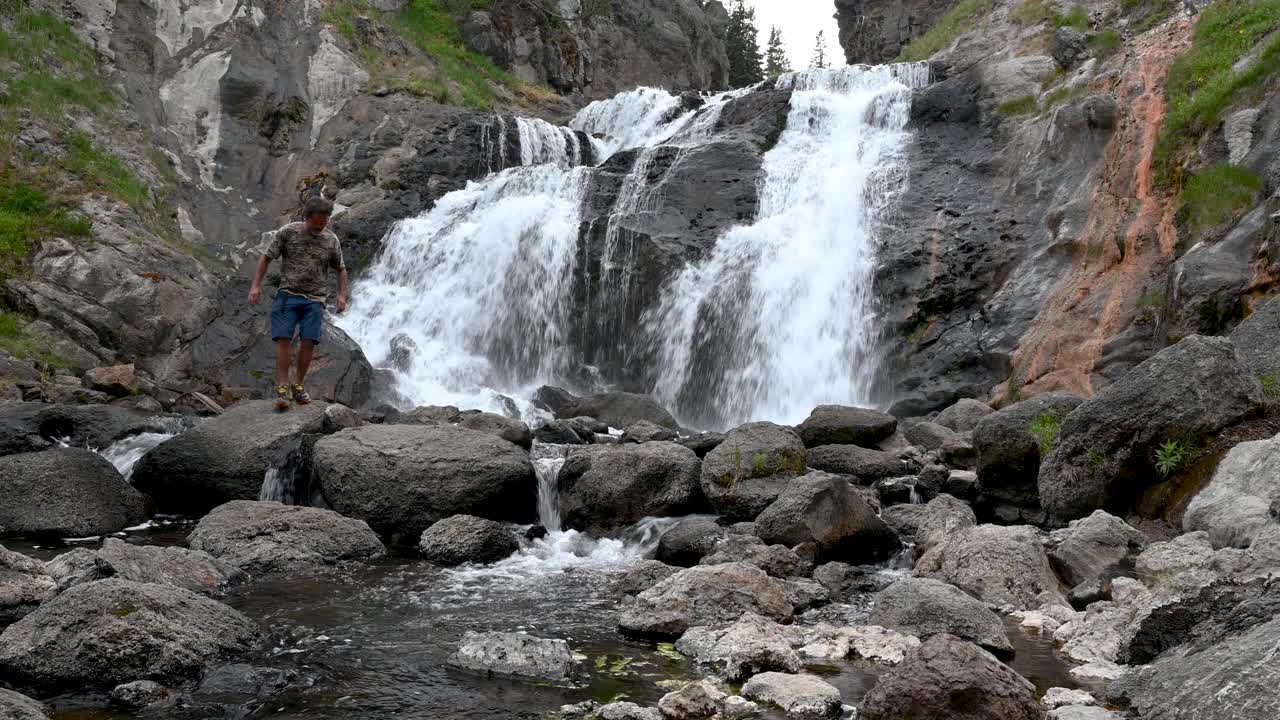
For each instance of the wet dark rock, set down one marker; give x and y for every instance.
(751, 645)
(77, 567)
(24, 584)
(1009, 451)
(747, 472)
(65, 492)
(32, 426)
(998, 565)
(804, 594)
(645, 431)
(642, 576)
(825, 510)
(1094, 548)
(223, 458)
(801, 695)
(924, 607)
(467, 539)
(963, 416)
(139, 694)
(513, 654)
(843, 580)
(962, 484)
(1105, 449)
(702, 443)
(895, 491)
(1199, 619)
(927, 435)
(842, 425)
(619, 410)
(16, 706)
(874, 32)
(777, 560)
(562, 432)
(703, 595)
(929, 525)
(947, 678)
(1089, 592)
(688, 541)
(403, 478)
(608, 487)
(513, 431)
(115, 631)
(958, 452)
(192, 570)
(862, 463)
(262, 538)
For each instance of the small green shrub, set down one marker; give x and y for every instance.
(1096, 457)
(1271, 385)
(1033, 12)
(1217, 195)
(1104, 44)
(596, 8)
(96, 167)
(15, 340)
(1062, 95)
(1152, 299)
(9, 327)
(1045, 429)
(760, 465)
(1077, 17)
(26, 215)
(1171, 455)
(959, 20)
(1022, 106)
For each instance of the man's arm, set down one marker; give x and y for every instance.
(342, 290)
(255, 290)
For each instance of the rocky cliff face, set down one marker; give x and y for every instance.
(873, 32)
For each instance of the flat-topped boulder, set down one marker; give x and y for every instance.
(865, 464)
(843, 425)
(925, 607)
(703, 595)
(402, 478)
(800, 695)
(605, 487)
(618, 409)
(192, 570)
(266, 537)
(513, 431)
(65, 492)
(224, 458)
(514, 654)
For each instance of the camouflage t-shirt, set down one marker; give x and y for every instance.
(307, 260)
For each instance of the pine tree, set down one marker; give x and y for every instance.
(743, 46)
(820, 51)
(775, 57)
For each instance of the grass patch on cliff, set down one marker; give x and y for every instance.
(1204, 83)
(433, 25)
(956, 22)
(1038, 12)
(27, 215)
(1217, 195)
(54, 69)
(1021, 106)
(18, 342)
(103, 171)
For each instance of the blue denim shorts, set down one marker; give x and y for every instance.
(294, 312)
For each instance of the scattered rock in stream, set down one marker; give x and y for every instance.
(689, 540)
(266, 537)
(751, 645)
(102, 634)
(513, 431)
(619, 410)
(34, 426)
(703, 595)
(800, 695)
(514, 654)
(853, 461)
(778, 561)
(467, 539)
(925, 607)
(843, 425)
(16, 706)
(998, 565)
(139, 694)
(65, 492)
(823, 509)
(698, 700)
(24, 584)
(607, 487)
(192, 570)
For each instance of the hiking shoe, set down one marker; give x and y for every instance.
(301, 396)
(283, 397)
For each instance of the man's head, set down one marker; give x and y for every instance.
(315, 214)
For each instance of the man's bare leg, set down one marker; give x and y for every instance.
(305, 353)
(282, 371)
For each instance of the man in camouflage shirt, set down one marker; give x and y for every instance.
(308, 250)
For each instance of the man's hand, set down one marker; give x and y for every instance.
(342, 304)
(255, 295)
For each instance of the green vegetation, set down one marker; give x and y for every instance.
(1096, 457)
(1271, 385)
(18, 342)
(596, 8)
(1104, 44)
(1152, 299)
(1204, 82)
(1065, 94)
(1217, 195)
(955, 23)
(1045, 428)
(760, 465)
(1148, 13)
(1077, 17)
(1171, 455)
(1021, 106)
(103, 171)
(27, 214)
(1037, 12)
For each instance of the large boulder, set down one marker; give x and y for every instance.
(695, 701)
(841, 425)
(862, 463)
(747, 472)
(267, 537)
(65, 492)
(554, 400)
(1094, 547)
(645, 431)
(113, 631)
(619, 410)
(24, 584)
(703, 595)
(513, 431)
(1236, 504)
(31, 426)
(514, 654)
(467, 539)
(688, 541)
(1104, 455)
(610, 486)
(224, 458)
(192, 570)
(925, 607)
(930, 524)
(750, 645)
(947, 678)
(16, 706)
(641, 576)
(825, 510)
(1010, 442)
(964, 416)
(403, 478)
(799, 695)
(1255, 339)
(778, 561)
(999, 565)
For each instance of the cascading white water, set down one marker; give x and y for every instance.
(780, 317)
(126, 453)
(547, 461)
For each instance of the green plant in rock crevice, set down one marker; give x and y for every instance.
(1217, 195)
(1270, 385)
(1045, 428)
(1171, 455)
(1021, 106)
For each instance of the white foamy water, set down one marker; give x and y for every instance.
(124, 454)
(780, 317)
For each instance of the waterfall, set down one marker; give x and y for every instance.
(547, 461)
(126, 453)
(487, 288)
(780, 317)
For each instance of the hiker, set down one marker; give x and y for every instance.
(308, 250)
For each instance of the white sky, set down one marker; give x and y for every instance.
(800, 21)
